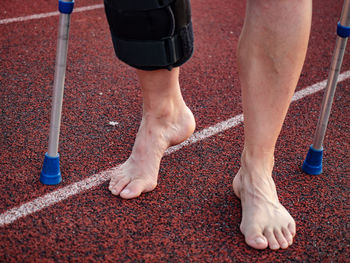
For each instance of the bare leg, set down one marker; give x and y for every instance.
(271, 54)
(166, 121)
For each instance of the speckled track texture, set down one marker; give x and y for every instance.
(193, 215)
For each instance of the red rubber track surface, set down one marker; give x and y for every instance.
(193, 215)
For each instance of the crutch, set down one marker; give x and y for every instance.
(313, 162)
(50, 173)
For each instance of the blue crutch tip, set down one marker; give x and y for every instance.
(313, 162)
(51, 174)
(343, 31)
(65, 7)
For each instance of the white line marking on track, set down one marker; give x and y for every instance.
(56, 196)
(43, 15)
(318, 86)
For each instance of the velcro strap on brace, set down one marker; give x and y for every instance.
(151, 53)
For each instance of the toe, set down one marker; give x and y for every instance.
(257, 242)
(255, 239)
(112, 183)
(136, 187)
(117, 187)
(115, 178)
(287, 235)
(271, 239)
(133, 189)
(283, 243)
(292, 228)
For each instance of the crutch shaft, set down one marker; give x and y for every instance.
(60, 69)
(332, 80)
(329, 93)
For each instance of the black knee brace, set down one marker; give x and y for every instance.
(151, 34)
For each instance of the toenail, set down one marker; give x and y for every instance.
(275, 246)
(259, 240)
(125, 192)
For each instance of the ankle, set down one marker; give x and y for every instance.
(255, 159)
(168, 110)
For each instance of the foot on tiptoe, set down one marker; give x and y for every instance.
(139, 174)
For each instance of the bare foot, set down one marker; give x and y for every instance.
(139, 174)
(265, 222)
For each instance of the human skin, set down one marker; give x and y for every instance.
(271, 53)
(166, 121)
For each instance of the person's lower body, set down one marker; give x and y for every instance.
(271, 54)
